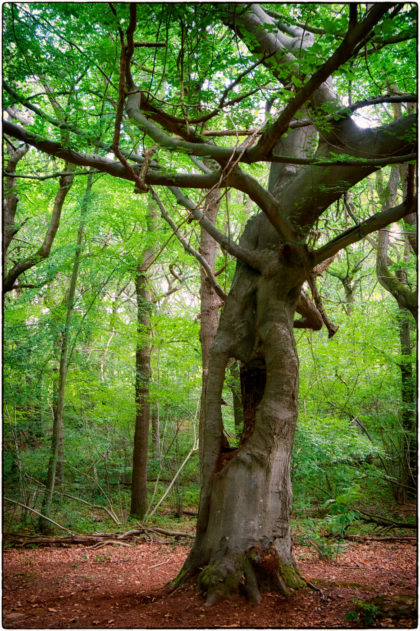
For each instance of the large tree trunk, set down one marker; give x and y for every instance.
(243, 534)
(243, 526)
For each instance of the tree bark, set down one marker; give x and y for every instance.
(209, 300)
(155, 430)
(142, 403)
(142, 379)
(243, 535)
(10, 201)
(246, 496)
(408, 409)
(234, 383)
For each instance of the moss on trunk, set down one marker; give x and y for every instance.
(249, 573)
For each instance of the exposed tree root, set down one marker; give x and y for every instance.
(249, 573)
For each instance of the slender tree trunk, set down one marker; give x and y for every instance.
(57, 440)
(142, 379)
(142, 403)
(397, 285)
(408, 412)
(209, 300)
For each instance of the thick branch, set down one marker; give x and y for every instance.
(311, 317)
(105, 165)
(315, 188)
(11, 199)
(357, 233)
(43, 252)
(247, 256)
(299, 28)
(355, 34)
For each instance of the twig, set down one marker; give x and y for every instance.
(162, 531)
(187, 246)
(109, 542)
(32, 510)
(79, 499)
(192, 450)
(159, 564)
(170, 533)
(52, 175)
(383, 521)
(406, 539)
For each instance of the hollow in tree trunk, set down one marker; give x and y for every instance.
(243, 535)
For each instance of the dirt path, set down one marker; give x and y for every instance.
(124, 587)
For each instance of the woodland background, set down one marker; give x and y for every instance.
(351, 459)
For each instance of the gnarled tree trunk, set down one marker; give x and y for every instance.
(243, 526)
(243, 535)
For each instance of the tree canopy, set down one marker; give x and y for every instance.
(285, 132)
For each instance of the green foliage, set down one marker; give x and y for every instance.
(366, 613)
(349, 434)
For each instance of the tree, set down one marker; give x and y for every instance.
(316, 152)
(142, 378)
(400, 287)
(57, 440)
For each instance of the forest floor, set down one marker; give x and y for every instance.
(126, 587)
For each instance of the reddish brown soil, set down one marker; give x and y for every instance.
(124, 587)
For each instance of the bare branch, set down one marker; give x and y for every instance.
(247, 256)
(43, 252)
(32, 510)
(356, 233)
(187, 247)
(51, 175)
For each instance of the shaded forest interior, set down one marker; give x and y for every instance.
(210, 282)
